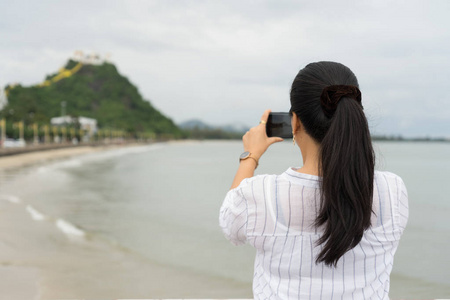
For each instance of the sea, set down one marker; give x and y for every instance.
(159, 204)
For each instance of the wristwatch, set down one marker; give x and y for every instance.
(247, 155)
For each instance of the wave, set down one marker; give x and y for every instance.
(96, 156)
(61, 224)
(35, 215)
(125, 151)
(69, 229)
(70, 163)
(11, 198)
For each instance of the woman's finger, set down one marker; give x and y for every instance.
(273, 140)
(265, 116)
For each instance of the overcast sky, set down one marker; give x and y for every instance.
(226, 61)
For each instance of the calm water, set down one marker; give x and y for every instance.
(162, 202)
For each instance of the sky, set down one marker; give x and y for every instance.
(225, 62)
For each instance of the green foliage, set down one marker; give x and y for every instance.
(95, 91)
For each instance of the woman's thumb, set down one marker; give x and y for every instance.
(273, 140)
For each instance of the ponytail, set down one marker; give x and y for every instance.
(346, 164)
(326, 98)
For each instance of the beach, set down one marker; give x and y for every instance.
(140, 222)
(30, 158)
(21, 280)
(33, 266)
(56, 276)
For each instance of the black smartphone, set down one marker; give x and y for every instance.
(279, 124)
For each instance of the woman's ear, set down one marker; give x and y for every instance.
(295, 122)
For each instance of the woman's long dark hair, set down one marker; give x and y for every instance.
(325, 96)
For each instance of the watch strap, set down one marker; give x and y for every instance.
(249, 155)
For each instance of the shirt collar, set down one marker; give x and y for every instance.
(302, 178)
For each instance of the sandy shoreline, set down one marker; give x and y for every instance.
(25, 159)
(33, 268)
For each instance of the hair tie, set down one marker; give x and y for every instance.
(333, 93)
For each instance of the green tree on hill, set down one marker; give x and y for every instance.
(95, 91)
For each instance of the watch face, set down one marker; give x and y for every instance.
(244, 155)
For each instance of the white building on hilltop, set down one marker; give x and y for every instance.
(90, 59)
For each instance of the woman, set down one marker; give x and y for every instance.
(327, 230)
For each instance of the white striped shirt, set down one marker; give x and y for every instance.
(275, 214)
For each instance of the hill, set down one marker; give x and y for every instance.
(194, 124)
(92, 90)
(197, 129)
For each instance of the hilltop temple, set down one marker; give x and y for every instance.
(90, 59)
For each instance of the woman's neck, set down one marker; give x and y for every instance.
(310, 155)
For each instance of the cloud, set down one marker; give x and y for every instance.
(227, 61)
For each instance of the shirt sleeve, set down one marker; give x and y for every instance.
(233, 216)
(403, 207)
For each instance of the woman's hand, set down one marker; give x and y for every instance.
(256, 141)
